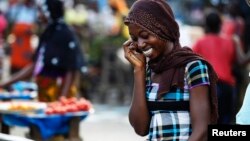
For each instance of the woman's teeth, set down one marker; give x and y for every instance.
(148, 52)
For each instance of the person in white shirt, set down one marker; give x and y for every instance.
(243, 115)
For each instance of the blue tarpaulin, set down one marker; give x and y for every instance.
(49, 125)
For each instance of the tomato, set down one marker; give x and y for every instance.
(60, 110)
(54, 104)
(73, 108)
(49, 111)
(65, 105)
(72, 100)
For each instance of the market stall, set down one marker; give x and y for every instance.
(48, 119)
(20, 90)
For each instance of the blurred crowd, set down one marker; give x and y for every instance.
(100, 29)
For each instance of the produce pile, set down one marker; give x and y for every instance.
(68, 105)
(22, 106)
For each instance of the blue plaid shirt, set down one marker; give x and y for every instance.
(175, 125)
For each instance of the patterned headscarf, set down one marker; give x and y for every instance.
(156, 17)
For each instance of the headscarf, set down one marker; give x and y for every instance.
(156, 17)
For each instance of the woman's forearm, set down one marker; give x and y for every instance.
(138, 114)
(22, 74)
(68, 82)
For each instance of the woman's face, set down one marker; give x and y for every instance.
(147, 43)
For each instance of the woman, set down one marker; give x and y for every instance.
(174, 94)
(57, 60)
(58, 57)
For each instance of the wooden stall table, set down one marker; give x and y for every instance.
(43, 125)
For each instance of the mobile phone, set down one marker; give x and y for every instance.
(134, 47)
(137, 50)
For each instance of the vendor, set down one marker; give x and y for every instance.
(57, 61)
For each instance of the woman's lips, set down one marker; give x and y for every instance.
(148, 52)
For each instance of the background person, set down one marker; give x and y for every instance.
(242, 117)
(57, 61)
(22, 18)
(222, 53)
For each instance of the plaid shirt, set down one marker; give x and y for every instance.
(175, 125)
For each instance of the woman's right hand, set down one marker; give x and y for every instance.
(137, 59)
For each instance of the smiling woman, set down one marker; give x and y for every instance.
(172, 85)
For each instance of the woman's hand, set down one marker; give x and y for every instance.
(139, 116)
(137, 59)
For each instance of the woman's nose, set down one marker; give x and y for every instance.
(141, 44)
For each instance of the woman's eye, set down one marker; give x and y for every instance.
(134, 39)
(144, 35)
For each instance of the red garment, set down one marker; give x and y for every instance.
(220, 52)
(232, 26)
(21, 49)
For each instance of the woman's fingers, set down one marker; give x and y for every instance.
(127, 43)
(135, 58)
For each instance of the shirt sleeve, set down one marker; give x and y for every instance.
(197, 74)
